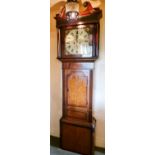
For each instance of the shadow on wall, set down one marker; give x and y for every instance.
(54, 9)
(55, 74)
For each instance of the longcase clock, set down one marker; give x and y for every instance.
(78, 48)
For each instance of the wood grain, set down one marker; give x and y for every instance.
(77, 125)
(77, 90)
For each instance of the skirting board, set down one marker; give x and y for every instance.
(55, 141)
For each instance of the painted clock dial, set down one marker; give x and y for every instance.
(78, 41)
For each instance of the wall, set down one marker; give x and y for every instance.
(56, 81)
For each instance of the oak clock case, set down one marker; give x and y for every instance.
(78, 44)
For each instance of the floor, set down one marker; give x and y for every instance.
(57, 151)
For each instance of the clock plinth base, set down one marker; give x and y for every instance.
(77, 136)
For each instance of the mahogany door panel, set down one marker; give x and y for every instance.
(77, 89)
(77, 93)
(76, 85)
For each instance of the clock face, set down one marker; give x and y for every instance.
(78, 42)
